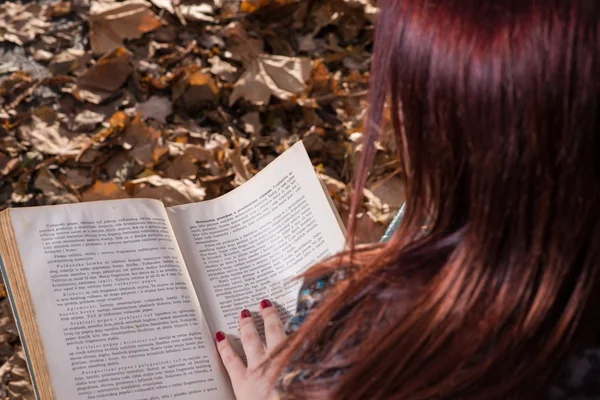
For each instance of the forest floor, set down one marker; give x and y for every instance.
(180, 101)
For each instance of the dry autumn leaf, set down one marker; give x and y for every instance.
(269, 75)
(104, 191)
(52, 138)
(198, 12)
(22, 23)
(170, 191)
(146, 144)
(250, 6)
(156, 107)
(52, 188)
(112, 22)
(239, 164)
(101, 81)
(164, 4)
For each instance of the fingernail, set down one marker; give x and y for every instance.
(246, 314)
(265, 304)
(220, 336)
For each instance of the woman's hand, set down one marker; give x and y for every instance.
(252, 383)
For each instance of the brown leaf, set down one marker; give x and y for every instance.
(251, 6)
(68, 60)
(196, 151)
(164, 4)
(52, 138)
(196, 91)
(280, 76)
(240, 165)
(245, 48)
(146, 143)
(16, 374)
(198, 12)
(60, 9)
(101, 81)
(169, 191)
(78, 177)
(156, 107)
(42, 55)
(87, 120)
(223, 69)
(252, 124)
(112, 22)
(10, 166)
(182, 167)
(104, 191)
(22, 23)
(51, 187)
(21, 192)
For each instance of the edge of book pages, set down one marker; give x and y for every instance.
(37, 370)
(11, 299)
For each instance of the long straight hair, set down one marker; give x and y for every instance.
(496, 115)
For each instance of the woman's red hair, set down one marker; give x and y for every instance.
(496, 114)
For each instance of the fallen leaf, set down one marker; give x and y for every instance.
(252, 124)
(52, 138)
(52, 189)
(78, 177)
(251, 6)
(10, 166)
(87, 120)
(269, 75)
(195, 91)
(227, 72)
(22, 23)
(15, 373)
(240, 165)
(60, 9)
(182, 167)
(169, 191)
(21, 192)
(104, 191)
(164, 4)
(313, 143)
(199, 12)
(245, 48)
(156, 107)
(146, 143)
(42, 55)
(101, 81)
(112, 22)
(377, 210)
(67, 61)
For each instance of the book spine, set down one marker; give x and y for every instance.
(19, 327)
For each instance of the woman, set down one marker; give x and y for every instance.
(496, 109)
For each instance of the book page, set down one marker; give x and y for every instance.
(247, 245)
(115, 306)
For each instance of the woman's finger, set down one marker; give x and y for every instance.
(232, 361)
(274, 331)
(253, 346)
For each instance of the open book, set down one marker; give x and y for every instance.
(121, 299)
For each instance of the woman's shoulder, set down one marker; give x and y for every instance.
(579, 379)
(311, 294)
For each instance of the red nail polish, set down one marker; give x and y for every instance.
(265, 304)
(220, 336)
(246, 314)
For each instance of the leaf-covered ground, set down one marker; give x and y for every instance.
(180, 101)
